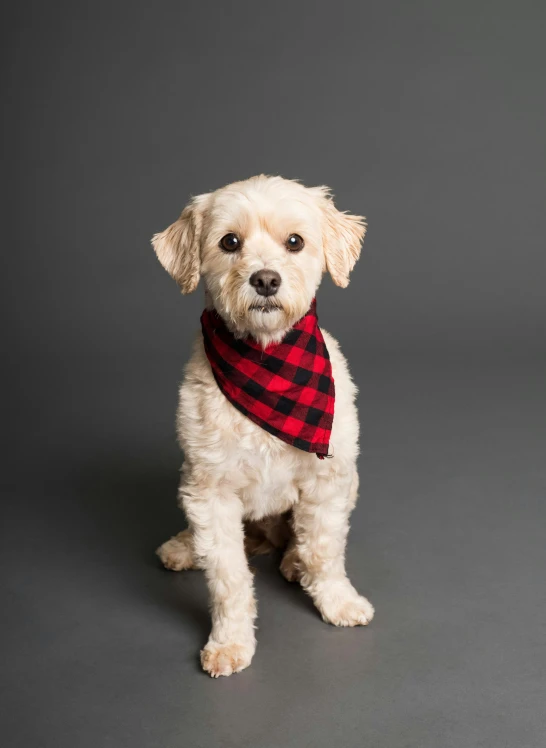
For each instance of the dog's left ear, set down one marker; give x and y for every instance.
(178, 247)
(342, 238)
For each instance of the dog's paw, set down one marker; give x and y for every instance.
(177, 553)
(356, 611)
(289, 566)
(225, 659)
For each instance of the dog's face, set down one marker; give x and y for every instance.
(261, 247)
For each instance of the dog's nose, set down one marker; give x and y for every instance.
(266, 282)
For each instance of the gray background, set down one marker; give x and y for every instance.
(429, 117)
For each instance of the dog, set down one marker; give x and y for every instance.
(262, 246)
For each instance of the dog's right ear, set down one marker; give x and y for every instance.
(177, 248)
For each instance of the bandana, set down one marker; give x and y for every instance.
(286, 388)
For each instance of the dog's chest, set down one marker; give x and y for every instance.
(231, 449)
(266, 469)
(270, 489)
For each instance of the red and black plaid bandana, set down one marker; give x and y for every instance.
(286, 388)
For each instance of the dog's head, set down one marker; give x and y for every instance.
(261, 246)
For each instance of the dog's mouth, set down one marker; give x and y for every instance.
(265, 308)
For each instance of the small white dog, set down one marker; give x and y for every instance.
(261, 246)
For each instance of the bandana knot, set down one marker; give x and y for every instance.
(287, 388)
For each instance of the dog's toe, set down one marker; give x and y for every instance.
(225, 659)
(177, 553)
(356, 612)
(290, 568)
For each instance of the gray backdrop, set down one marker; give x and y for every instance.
(429, 118)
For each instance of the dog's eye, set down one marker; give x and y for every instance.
(294, 243)
(230, 243)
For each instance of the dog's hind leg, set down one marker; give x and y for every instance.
(177, 553)
(267, 535)
(290, 565)
(275, 534)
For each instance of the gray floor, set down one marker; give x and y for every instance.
(447, 541)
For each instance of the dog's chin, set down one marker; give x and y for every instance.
(267, 317)
(265, 308)
(265, 321)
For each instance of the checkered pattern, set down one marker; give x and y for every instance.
(287, 389)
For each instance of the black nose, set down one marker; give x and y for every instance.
(266, 282)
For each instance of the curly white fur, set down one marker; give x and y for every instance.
(235, 474)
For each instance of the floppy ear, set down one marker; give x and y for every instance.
(177, 248)
(342, 238)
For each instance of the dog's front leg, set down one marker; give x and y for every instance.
(216, 518)
(321, 525)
